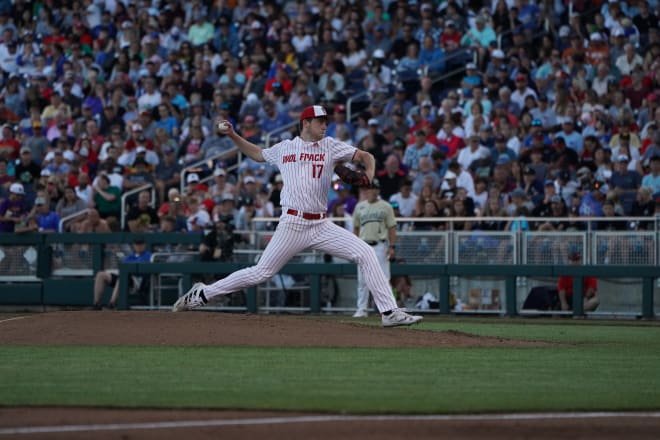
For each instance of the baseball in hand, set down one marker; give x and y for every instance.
(224, 126)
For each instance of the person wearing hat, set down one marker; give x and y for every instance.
(13, 209)
(221, 184)
(374, 223)
(193, 185)
(471, 79)
(26, 169)
(110, 278)
(565, 292)
(339, 120)
(307, 164)
(138, 175)
(598, 50)
(591, 204)
(522, 91)
(474, 151)
(479, 36)
(45, 219)
(450, 39)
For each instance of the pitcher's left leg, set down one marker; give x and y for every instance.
(339, 242)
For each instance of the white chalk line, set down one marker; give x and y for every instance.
(12, 319)
(318, 419)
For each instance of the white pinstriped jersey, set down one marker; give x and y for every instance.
(307, 169)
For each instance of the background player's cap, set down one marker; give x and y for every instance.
(313, 111)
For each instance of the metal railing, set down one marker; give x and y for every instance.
(209, 163)
(63, 220)
(449, 245)
(137, 190)
(267, 136)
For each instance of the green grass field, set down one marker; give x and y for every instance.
(595, 365)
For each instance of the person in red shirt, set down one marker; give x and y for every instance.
(9, 145)
(589, 288)
(281, 80)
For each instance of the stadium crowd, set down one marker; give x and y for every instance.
(471, 109)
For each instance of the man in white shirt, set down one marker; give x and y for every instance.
(522, 91)
(84, 189)
(406, 199)
(473, 151)
(150, 97)
(629, 61)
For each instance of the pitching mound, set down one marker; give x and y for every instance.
(226, 329)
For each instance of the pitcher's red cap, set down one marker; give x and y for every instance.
(313, 111)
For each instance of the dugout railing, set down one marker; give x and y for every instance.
(58, 269)
(443, 272)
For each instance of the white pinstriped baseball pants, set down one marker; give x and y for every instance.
(293, 235)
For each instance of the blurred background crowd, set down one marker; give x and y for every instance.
(472, 109)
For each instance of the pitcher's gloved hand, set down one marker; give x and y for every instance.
(352, 176)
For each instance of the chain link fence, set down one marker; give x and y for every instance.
(18, 261)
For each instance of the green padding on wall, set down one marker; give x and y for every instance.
(20, 293)
(70, 292)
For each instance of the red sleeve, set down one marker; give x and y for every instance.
(164, 209)
(565, 283)
(590, 282)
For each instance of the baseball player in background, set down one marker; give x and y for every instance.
(306, 164)
(374, 223)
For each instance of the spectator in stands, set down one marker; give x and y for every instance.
(643, 206)
(589, 286)
(219, 240)
(339, 119)
(41, 218)
(405, 198)
(5, 179)
(199, 217)
(391, 176)
(111, 277)
(473, 152)
(652, 179)
(26, 170)
(68, 205)
(167, 174)
(142, 217)
(492, 209)
(479, 37)
(591, 204)
(138, 175)
(106, 198)
(625, 182)
(13, 209)
(418, 148)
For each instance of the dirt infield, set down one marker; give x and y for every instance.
(224, 329)
(228, 329)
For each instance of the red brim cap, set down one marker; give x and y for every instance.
(313, 111)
